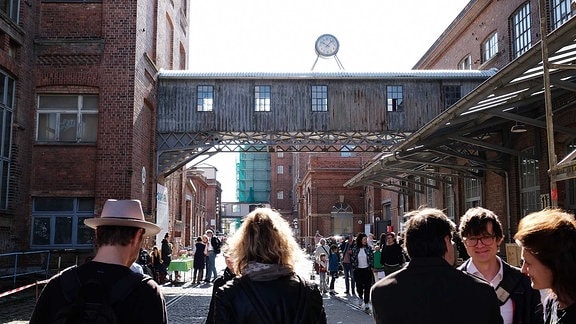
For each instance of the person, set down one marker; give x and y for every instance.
(322, 248)
(333, 265)
(137, 268)
(317, 237)
(371, 240)
(199, 258)
(437, 292)
(166, 252)
(378, 268)
(221, 281)
(144, 260)
(120, 230)
(322, 270)
(213, 248)
(548, 242)
(363, 262)
(392, 254)
(346, 247)
(481, 233)
(266, 290)
(158, 266)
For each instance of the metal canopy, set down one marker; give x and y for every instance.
(477, 127)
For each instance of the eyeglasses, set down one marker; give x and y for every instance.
(473, 241)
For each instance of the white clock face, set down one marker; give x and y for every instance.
(327, 45)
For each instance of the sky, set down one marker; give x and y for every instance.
(279, 36)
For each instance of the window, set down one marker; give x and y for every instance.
(262, 98)
(394, 98)
(570, 202)
(342, 216)
(347, 150)
(430, 197)
(465, 63)
(205, 97)
(7, 88)
(490, 47)
(452, 93)
(529, 182)
(67, 118)
(417, 192)
(280, 195)
(280, 169)
(319, 98)
(520, 26)
(59, 222)
(10, 8)
(560, 12)
(280, 154)
(449, 201)
(472, 192)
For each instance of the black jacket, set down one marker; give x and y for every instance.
(286, 300)
(526, 300)
(429, 290)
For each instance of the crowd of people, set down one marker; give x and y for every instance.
(390, 277)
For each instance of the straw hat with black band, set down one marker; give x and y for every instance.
(123, 213)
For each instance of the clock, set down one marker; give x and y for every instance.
(327, 45)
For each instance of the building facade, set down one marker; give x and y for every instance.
(78, 112)
(493, 147)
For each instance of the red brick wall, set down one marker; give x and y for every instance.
(472, 32)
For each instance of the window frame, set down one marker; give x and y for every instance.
(262, 98)
(7, 98)
(449, 199)
(490, 47)
(395, 98)
(472, 192)
(465, 63)
(60, 117)
(520, 28)
(560, 12)
(204, 98)
(319, 98)
(12, 10)
(76, 216)
(529, 177)
(452, 94)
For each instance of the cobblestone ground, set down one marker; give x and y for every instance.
(187, 303)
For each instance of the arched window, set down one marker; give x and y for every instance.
(342, 220)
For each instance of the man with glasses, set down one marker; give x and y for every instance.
(481, 232)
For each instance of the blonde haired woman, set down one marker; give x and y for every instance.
(267, 290)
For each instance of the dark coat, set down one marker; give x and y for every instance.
(282, 298)
(429, 290)
(526, 300)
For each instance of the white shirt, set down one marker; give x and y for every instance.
(362, 259)
(135, 267)
(506, 310)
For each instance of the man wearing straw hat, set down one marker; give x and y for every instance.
(127, 296)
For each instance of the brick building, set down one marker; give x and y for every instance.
(78, 112)
(492, 147)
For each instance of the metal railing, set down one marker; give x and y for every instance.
(24, 263)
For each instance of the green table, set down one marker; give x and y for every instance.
(183, 265)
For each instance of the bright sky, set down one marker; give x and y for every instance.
(279, 36)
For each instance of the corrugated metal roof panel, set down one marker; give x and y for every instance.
(412, 74)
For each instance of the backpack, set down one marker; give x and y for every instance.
(90, 302)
